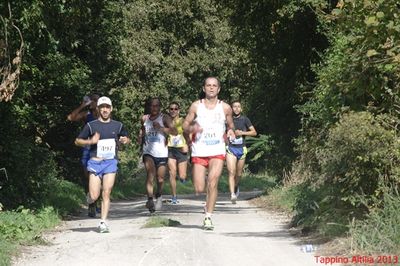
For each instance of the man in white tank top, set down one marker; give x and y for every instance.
(154, 131)
(206, 122)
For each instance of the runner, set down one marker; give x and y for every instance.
(177, 151)
(206, 121)
(236, 149)
(81, 114)
(104, 136)
(155, 128)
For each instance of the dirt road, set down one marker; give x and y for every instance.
(243, 235)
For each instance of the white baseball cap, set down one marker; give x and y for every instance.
(104, 100)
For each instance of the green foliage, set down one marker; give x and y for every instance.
(65, 197)
(160, 222)
(379, 233)
(169, 48)
(24, 227)
(359, 155)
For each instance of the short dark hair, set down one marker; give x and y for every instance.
(235, 101)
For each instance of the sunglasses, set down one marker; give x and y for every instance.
(173, 109)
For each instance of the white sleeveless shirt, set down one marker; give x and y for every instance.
(155, 143)
(210, 141)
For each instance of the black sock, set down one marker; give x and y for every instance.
(236, 188)
(149, 198)
(158, 194)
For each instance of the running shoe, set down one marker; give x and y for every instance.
(89, 199)
(103, 227)
(207, 224)
(233, 198)
(159, 203)
(92, 210)
(150, 205)
(237, 191)
(174, 200)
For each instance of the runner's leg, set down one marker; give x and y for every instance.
(161, 170)
(172, 175)
(94, 186)
(182, 169)
(239, 171)
(215, 169)
(231, 166)
(108, 183)
(199, 174)
(151, 173)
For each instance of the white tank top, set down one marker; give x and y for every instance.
(210, 141)
(155, 143)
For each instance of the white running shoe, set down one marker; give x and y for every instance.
(237, 192)
(159, 203)
(103, 227)
(233, 198)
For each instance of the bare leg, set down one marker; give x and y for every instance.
(161, 170)
(108, 183)
(151, 172)
(239, 171)
(215, 170)
(231, 166)
(172, 175)
(182, 169)
(199, 174)
(94, 187)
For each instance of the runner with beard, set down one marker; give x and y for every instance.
(104, 136)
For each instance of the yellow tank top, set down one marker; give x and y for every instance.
(177, 141)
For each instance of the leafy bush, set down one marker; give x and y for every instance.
(64, 196)
(359, 155)
(23, 226)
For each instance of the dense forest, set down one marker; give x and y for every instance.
(318, 78)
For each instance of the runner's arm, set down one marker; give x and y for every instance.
(229, 121)
(188, 125)
(169, 128)
(78, 114)
(123, 136)
(141, 132)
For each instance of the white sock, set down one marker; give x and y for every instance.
(208, 214)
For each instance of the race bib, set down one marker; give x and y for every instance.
(237, 141)
(210, 137)
(106, 148)
(152, 136)
(176, 140)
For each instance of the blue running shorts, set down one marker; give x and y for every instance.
(100, 168)
(239, 152)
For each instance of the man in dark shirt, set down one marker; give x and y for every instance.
(236, 149)
(103, 135)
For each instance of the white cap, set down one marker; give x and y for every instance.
(104, 100)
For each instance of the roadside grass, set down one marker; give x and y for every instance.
(23, 226)
(336, 226)
(379, 233)
(158, 221)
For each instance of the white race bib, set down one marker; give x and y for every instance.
(237, 141)
(176, 140)
(106, 148)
